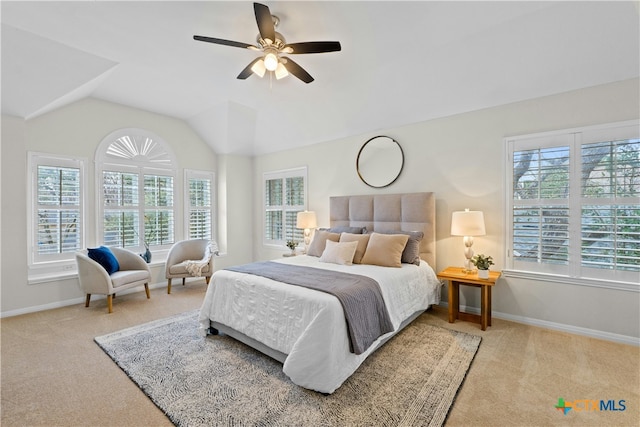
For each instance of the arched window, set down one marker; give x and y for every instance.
(136, 181)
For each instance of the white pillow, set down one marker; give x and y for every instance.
(339, 253)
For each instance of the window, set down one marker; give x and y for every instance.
(574, 203)
(199, 206)
(136, 190)
(285, 194)
(57, 207)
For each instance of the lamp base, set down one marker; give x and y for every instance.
(468, 267)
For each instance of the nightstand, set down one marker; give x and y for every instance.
(456, 277)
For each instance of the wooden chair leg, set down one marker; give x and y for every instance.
(146, 289)
(183, 279)
(207, 279)
(110, 303)
(86, 303)
(168, 286)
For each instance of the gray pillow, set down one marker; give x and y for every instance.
(411, 252)
(320, 241)
(345, 229)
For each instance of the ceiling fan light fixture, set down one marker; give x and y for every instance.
(259, 68)
(272, 45)
(281, 71)
(271, 61)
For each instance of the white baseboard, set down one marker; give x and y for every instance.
(80, 300)
(577, 330)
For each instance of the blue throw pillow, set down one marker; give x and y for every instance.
(105, 258)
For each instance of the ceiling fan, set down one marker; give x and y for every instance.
(273, 46)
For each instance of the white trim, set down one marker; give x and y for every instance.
(139, 161)
(281, 174)
(79, 300)
(567, 280)
(575, 330)
(140, 165)
(70, 272)
(35, 159)
(603, 126)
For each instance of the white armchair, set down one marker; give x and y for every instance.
(94, 279)
(190, 258)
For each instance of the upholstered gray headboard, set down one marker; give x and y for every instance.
(389, 212)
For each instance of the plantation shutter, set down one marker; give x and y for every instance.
(574, 203)
(121, 201)
(610, 212)
(541, 205)
(59, 210)
(284, 197)
(158, 210)
(295, 203)
(200, 208)
(274, 205)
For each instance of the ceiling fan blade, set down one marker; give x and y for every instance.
(265, 22)
(297, 71)
(313, 47)
(224, 42)
(247, 70)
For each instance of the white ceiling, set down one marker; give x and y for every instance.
(401, 62)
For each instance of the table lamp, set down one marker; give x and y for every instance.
(468, 224)
(307, 221)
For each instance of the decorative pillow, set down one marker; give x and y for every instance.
(411, 253)
(339, 253)
(345, 229)
(385, 249)
(105, 258)
(361, 239)
(316, 247)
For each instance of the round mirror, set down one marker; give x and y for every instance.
(380, 161)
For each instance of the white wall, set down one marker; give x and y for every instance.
(460, 158)
(77, 130)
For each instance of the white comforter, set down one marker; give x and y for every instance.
(309, 325)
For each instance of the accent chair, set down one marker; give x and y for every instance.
(94, 278)
(190, 258)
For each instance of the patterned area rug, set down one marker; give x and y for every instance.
(218, 381)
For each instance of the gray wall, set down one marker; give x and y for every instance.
(461, 159)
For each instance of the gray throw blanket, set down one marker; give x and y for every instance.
(364, 308)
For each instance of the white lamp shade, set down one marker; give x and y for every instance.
(281, 71)
(271, 61)
(306, 219)
(258, 68)
(467, 223)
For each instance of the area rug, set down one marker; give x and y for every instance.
(218, 381)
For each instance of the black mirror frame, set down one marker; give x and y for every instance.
(358, 162)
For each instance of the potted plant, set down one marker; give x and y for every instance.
(482, 263)
(292, 245)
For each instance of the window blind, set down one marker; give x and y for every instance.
(59, 218)
(574, 202)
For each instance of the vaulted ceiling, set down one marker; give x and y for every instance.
(401, 62)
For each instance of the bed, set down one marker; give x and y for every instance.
(306, 329)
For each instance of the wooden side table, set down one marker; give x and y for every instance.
(456, 277)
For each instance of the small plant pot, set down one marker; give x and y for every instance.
(483, 274)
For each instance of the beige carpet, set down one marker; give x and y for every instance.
(53, 373)
(217, 381)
